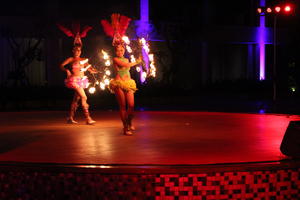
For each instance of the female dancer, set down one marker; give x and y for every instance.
(77, 81)
(124, 87)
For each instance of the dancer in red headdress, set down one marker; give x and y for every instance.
(76, 79)
(122, 85)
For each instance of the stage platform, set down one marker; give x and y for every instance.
(172, 155)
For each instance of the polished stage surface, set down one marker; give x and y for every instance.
(161, 138)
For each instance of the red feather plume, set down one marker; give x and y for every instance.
(124, 22)
(75, 32)
(108, 29)
(65, 30)
(85, 30)
(118, 26)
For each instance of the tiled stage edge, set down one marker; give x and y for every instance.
(255, 181)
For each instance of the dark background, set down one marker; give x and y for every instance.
(201, 50)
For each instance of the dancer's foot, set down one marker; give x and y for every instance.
(132, 128)
(71, 121)
(129, 122)
(127, 132)
(90, 121)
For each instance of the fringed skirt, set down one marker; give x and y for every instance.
(77, 82)
(126, 86)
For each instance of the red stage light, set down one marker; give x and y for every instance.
(287, 8)
(269, 10)
(277, 9)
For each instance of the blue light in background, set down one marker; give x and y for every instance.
(144, 10)
(143, 29)
(261, 42)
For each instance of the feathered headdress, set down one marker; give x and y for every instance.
(117, 28)
(75, 32)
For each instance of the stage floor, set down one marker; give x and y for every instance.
(161, 138)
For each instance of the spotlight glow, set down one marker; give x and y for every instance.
(277, 9)
(287, 8)
(293, 89)
(259, 10)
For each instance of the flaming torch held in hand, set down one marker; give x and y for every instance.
(148, 59)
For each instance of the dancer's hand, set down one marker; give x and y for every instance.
(139, 60)
(68, 73)
(93, 70)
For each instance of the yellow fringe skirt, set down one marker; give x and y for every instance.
(126, 86)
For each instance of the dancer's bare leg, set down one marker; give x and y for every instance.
(85, 105)
(130, 109)
(121, 98)
(73, 108)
